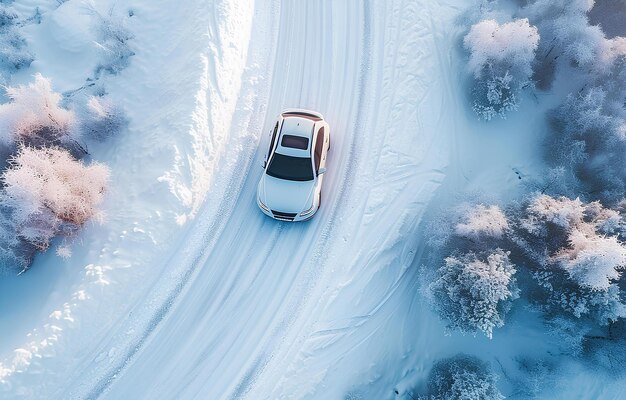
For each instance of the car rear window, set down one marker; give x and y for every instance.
(295, 142)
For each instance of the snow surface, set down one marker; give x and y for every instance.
(188, 290)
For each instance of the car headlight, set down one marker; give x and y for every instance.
(309, 211)
(263, 206)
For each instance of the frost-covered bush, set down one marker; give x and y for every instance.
(474, 292)
(501, 59)
(462, 377)
(113, 39)
(483, 222)
(34, 117)
(13, 52)
(49, 193)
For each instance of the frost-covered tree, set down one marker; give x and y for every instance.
(562, 212)
(590, 139)
(565, 29)
(500, 60)
(462, 377)
(579, 240)
(50, 193)
(482, 222)
(473, 293)
(575, 253)
(592, 260)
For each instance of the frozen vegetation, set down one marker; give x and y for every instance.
(47, 191)
(14, 53)
(500, 60)
(562, 234)
(474, 291)
(462, 377)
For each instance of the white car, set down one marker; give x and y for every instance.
(293, 170)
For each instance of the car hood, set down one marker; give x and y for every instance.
(286, 196)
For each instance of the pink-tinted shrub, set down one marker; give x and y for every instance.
(50, 193)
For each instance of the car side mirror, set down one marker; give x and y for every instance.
(264, 164)
(321, 171)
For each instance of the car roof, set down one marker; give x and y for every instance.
(296, 126)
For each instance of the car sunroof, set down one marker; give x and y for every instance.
(295, 142)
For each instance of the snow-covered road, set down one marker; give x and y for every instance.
(251, 280)
(247, 307)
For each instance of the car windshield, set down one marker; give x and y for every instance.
(290, 168)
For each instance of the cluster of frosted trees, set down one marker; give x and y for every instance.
(529, 50)
(566, 259)
(48, 190)
(569, 254)
(560, 250)
(562, 247)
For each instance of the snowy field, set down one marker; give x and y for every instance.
(187, 291)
